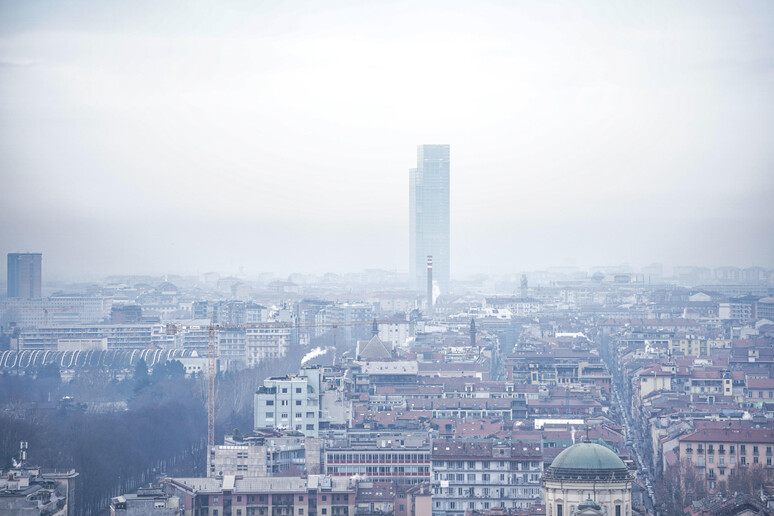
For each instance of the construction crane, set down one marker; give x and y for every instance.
(212, 372)
(211, 385)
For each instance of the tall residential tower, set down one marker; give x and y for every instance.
(429, 216)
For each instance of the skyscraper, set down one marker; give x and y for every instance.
(429, 216)
(24, 275)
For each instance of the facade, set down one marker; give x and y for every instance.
(479, 476)
(26, 490)
(57, 310)
(429, 216)
(24, 275)
(715, 453)
(381, 456)
(147, 501)
(290, 402)
(257, 456)
(315, 495)
(117, 336)
(587, 476)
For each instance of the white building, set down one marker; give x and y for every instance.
(290, 402)
(478, 476)
(584, 473)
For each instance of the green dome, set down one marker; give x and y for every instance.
(587, 461)
(588, 504)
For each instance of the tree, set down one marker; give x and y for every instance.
(747, 480)
(678, 487)
(141, 378)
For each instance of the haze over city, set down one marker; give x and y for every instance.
(148, 138)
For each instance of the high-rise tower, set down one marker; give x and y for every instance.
(429, 216)
(24, 275)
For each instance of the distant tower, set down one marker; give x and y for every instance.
(429, 214)
(24, 273)
(375, 328)
(429, 285)
(472, 332)
(523, 286)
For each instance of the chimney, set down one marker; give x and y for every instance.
(430, 285)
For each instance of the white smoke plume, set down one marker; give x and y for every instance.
(316, 352)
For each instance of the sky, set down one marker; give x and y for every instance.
(189, 136)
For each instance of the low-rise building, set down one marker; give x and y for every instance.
(315, 495)
(147, 501)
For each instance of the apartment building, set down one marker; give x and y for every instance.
(257, 456)
(315, 495)
(290, 402)
(716, 453)
(479, 476)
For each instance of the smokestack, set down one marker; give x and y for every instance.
(429, 285)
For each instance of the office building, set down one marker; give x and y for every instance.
(429, 216)
(24, 275)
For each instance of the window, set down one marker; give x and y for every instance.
(298, 402)
(269, 403)
(284, 390)
(559, 510)
(239, 498)
(617, 510)
(324, 511)
(239, 512)
(270, 415)
(300, 511)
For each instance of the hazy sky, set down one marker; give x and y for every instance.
(189, 136)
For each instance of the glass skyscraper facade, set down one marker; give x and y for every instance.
(429, 216)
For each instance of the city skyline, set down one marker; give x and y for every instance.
(581, 134)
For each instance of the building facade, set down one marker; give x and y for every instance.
(479, 476)
(290, 402)
(429, 216)
(24, 275)
(587, 474)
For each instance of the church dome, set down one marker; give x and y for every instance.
(587, 461)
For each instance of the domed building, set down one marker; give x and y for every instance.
(587, 478)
